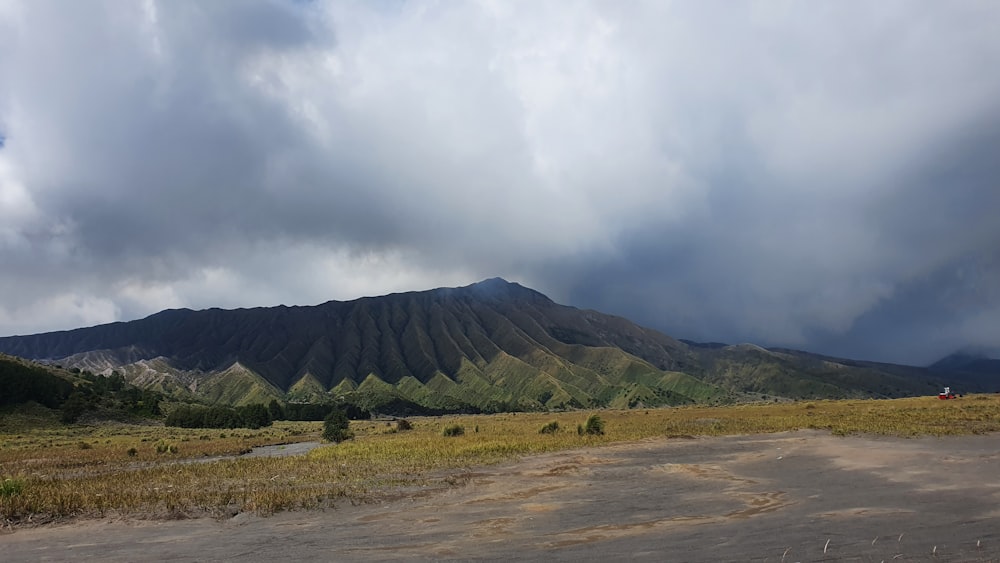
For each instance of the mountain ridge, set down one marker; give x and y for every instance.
(492, 345)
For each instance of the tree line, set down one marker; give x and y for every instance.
(111, 395)
(246, 416)
(256, 415)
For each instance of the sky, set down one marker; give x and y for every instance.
(819, 175)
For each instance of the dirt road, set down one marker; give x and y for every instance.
(802, 496)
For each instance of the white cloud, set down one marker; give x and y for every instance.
(55, 312)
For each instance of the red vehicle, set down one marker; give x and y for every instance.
(946, 394)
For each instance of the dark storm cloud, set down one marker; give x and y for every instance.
(930, 287)
(819, 176)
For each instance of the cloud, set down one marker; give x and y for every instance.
(795, 175)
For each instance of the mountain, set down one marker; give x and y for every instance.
(490, 346)
(800, 375)
(969, 367)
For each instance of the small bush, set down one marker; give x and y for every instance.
(11, 487)
(132, 452)
(453, 430)
(550, 428)
(594, 426)
(336, 427)
(84, 446)
(165, 448)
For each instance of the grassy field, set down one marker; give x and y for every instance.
(50, 472)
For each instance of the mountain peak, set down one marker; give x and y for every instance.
(499, 288)
(969, 359)
(489, 282)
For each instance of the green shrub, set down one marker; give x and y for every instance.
(453, 430)
(594, 426)
(11, 487)
(165, 448)
(336, 427)
(550, 428)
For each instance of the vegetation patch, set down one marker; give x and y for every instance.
(11, 487)
(594, 426)
(46, 476)
(550, 428)
(23, 381)
(336, 427)
(247, 416)
(74, 393)
(163, 447)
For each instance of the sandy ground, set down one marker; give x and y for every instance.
(801, 496)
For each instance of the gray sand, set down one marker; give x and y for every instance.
(800, 496)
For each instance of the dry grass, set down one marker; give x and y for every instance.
(51, 476)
